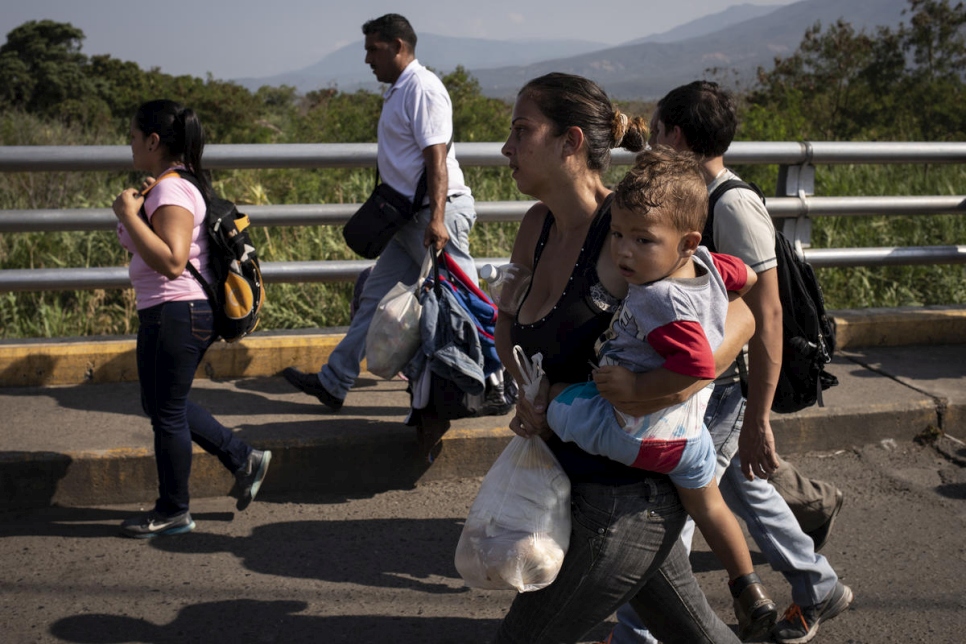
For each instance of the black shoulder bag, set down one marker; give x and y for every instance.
(383, 214)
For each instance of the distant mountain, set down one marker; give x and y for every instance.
(736, 41)
(709, 24)
(345, 68)
(648, 70)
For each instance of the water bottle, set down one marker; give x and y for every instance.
(507, 285)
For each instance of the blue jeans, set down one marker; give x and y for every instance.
(172, 339)
(624, 546)
(769, 520)
(399, 262)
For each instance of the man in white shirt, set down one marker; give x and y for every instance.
(415, 133)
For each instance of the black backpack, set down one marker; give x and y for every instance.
(238, 292)
(808, 332)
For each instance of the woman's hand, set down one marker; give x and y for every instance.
(127, 205)
(531, 418)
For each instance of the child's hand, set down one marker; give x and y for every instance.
(615, 383)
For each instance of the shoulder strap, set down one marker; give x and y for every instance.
(206, 287)
(421, 185)
(707, 236)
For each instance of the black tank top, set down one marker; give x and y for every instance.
(566, 338)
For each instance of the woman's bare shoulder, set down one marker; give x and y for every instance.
(530, 227)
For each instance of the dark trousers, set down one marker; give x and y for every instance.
(172, 339)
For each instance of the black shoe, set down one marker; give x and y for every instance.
(152, 524)
(249, 478)
(820, 534)
(308, 383)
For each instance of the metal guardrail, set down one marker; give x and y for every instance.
(795, 207)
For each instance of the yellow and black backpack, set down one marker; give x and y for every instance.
(237, 293)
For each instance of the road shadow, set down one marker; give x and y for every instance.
(30, 479)
(244, 620)
(408, 554)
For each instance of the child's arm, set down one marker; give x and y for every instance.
(736, 275)
(665, 387)
(688, 360)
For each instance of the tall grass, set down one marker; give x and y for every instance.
(886, 286)
(289, 306)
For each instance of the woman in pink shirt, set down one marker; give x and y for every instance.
(163, 228)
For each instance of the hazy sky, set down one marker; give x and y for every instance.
(253, 38)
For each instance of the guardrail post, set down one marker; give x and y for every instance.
(797, 181)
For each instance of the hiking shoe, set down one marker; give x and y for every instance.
(153, 524)
(799, 625)
(308, 383)
(756, 613)
(249, 478)
(820, 534)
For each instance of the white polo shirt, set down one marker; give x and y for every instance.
(416, 113)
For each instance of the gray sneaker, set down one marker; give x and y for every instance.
(152, 524)
(249, 478)
(799, 625)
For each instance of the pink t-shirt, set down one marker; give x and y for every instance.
(150, 287)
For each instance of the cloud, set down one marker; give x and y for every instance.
(516, 18)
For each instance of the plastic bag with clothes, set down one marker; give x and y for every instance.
(518, 529)
(393, 336)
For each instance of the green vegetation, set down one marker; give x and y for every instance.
(901, 84)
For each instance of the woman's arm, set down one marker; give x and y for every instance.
(531, 417)
(164, 245)
(638, 400)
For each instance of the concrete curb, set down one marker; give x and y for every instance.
(74, 361)
(94, 446)
(893, 327)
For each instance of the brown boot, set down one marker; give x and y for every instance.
(755, 610)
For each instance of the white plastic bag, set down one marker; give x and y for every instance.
(518, 528)
(393, 336)
(531, 371)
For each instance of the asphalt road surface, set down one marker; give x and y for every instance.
(380, 568)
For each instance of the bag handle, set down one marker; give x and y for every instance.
(437, 289)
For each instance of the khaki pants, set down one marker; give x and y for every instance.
(811, 501)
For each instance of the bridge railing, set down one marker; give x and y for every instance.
(793, 207)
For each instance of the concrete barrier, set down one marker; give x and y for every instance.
(73, 361)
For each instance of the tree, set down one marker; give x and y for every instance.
(897, 84)
(821, 79)
(934, 40)
(475, 117)
(41, 67)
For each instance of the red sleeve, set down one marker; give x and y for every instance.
(732, 271)
(685, 348)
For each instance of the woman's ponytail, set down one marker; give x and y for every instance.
(194, 146)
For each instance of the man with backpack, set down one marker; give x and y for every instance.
(414, 135)
(701, 118)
